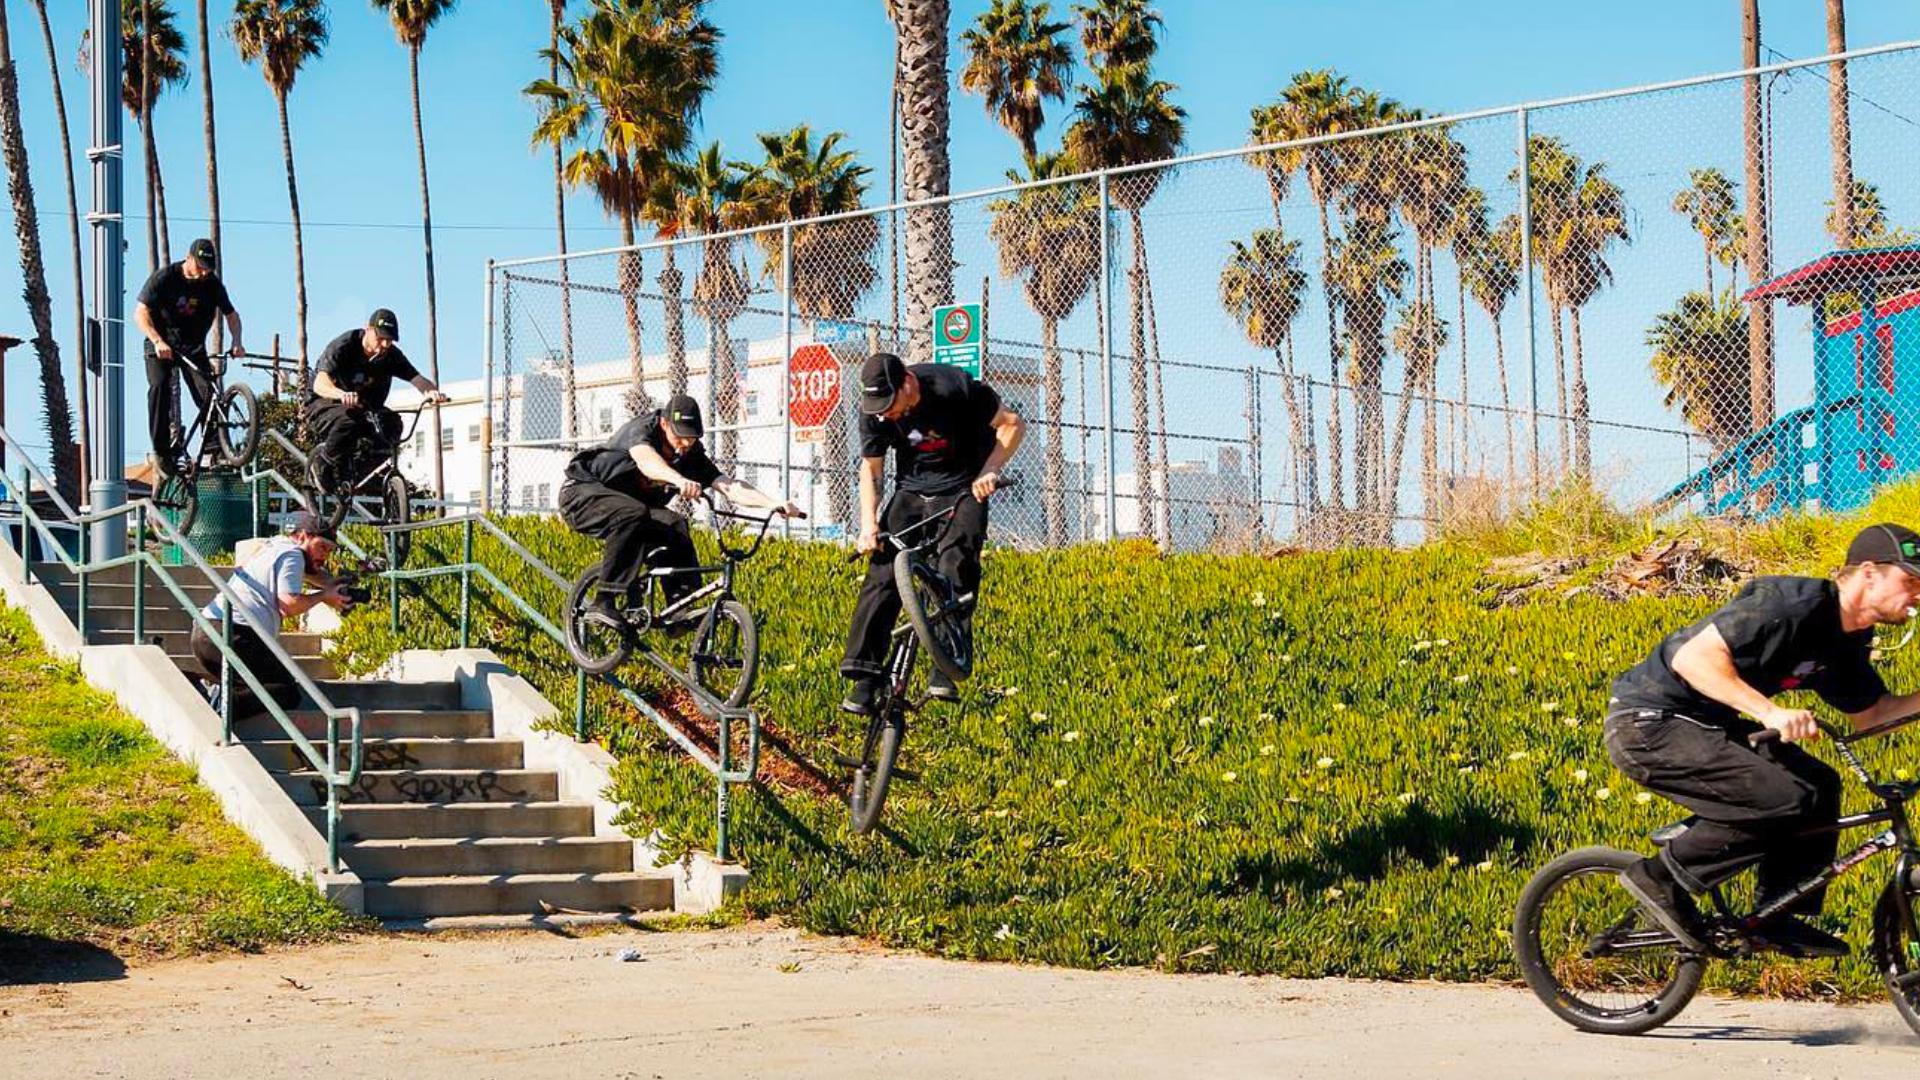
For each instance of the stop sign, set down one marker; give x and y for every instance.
(813, 378)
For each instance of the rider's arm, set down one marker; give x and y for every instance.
(871, 470)
(427, 388)
(1706, 663)
(1009, 428)
(233, 331)
(1885, 714)
(143, 320)
(324, 386)
(749, 497)
(654, 467)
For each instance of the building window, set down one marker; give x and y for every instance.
(473, 433)
(526, 495)
(419, 443)
(751, 404)
(546, 495)
(606, 419)
(473, 498)
(446, 438)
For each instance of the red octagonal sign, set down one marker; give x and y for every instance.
(813, 376)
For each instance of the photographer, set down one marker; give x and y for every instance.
(268, 590)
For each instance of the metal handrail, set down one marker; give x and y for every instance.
(721, 766)
(144, 512)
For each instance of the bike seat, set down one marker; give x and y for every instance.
(1667, 834)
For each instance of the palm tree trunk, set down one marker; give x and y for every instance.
(426, 230)
(33, 272)
(213, 162)
(149, 157)
(1708, 244)
(1759, 261)
(79, 344)
(1840, 126)
(920, 32)
(299, 254)
(1506, 398)
(568, 389)
(720, 334)
(160, 209)
(1334, 497)
(671, 281)
(1137, 382)
(1306, 434)
(630, 270)
(1465, 408)
(1582, 426)
(1559, 378)
(1053, 494)
(1165, 530)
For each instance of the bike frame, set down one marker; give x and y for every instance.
(391, 462)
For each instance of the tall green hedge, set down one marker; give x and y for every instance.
(1325, 763)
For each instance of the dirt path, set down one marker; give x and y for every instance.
(760, 1001)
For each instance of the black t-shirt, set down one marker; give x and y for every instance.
(183, 309)
(346, 360)
(942, 444)
(1784, 633)
(613, 464)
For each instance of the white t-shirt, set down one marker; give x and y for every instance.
(277, 568)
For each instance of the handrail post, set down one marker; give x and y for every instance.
(140, 576)
(26, 524)
(333, 791)
(80, 616)
(255, 493)
(720, 807)
(579, 705)
(226, 676)
(393, 584)
(466, 582)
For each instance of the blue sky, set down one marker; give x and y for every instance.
(822, 61)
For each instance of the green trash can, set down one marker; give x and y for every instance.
(226, 517)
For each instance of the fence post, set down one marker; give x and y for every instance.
(140, 576)
(786, 378)
(393, 581)
(25, 491)
(579, 705)
(486, 421)
(226, 673)
(1111, 527)
(1254, 447)
(466, 583)
(1526, 279)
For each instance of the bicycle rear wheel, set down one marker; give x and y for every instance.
(927, 597)
(596, 647)
(1896, 952)
(868, 791)
(1592, 954)
(726, 654)
(397, 506)
(237, 429)
(178, 498)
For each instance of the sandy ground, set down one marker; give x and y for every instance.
(765, 1001)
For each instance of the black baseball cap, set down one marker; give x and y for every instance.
(881, 377)
(385, 323)
(202, 252)
(311, 524)
(682, 415)
(1887, 544)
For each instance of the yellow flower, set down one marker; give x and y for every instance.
(1517, 755)
(1511, 670)
(1339, 706)
(1324, 763)
(1062, 782)
(1259, 599)
(1579, 776)
(1901, 774)
(1549, 706)
(1206, 721)
(1566, 656)
(1229, 777)
(1484, 866)
(1570, 721)
(1167, 702)
(1071, 736)
(1286, 658)
(1267, 750)
(1334, 893)
(1453, 860)
(1039, 717)
(1603, 793)
(789, 667)
(1406, 797)
(1643, 798)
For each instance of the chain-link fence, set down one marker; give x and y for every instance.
(1362, 338)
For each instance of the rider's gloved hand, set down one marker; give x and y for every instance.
(218, 365)
(163, 350)
(350, 399)
(869, 541)
(1794, 725)
(985, 485)
(689, 489)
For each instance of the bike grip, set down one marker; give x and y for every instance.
(1764, 735)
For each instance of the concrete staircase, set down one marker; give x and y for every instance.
(445, 820)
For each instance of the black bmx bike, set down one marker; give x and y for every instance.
(228, 433)
(725, 655)
(1601, 962)
(934, 617)
(371, 471)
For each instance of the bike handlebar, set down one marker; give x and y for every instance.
(894, 537)
(765, 521)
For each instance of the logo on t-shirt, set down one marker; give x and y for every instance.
(1803, 671)
(928, 442)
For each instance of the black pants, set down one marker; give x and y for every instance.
(1751, 801)
(342, 435)
(169, 445)
(879, 605)
(631, 528)
(258, 659)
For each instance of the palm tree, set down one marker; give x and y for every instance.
(73, 233)
(557, 12)
(1315, 104)
(1418, 337)
(1839, 126)
(411, 21)
(1866, 216)
(833, 266)
(1699, 349)
(920, 81)
(33, 272)
(281, 36)
(710, 192)
(1049, 237)
(1261, 287)
(1367, 272)
(632, 77)
(1017, 61)
(1466, 235)
(155, 58)
(1759, 258)
(1709, 204)
(1431, 182)
(1492, 274)
(1599, 218)
(213, 163)
(1128, 118)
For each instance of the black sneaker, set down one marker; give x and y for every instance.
(941, 688)
(1650, 883)
(861, 696)
(602, 610)
(681, 622)
(1793, 937)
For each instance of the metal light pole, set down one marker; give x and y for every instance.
(109, 488)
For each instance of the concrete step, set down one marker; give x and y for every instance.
(197, 588)
(517, 894)
(121, 575)
(428, 786)
(389, 754)
(298, 644)
(379, 694)
(319, 668)
(120, 617)
(399, 821)
(379, 724)
(490, 856)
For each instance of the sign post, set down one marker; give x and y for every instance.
(958, 336)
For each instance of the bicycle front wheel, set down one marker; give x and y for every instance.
(1592, 954)
(238, 428)
(1896, 950)
(595, 646)
(178, 498)
(868, 791)
(726, 655)
(927, 598)
(397, 506)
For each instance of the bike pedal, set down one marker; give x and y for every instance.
(846, 761)
(904, 774)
